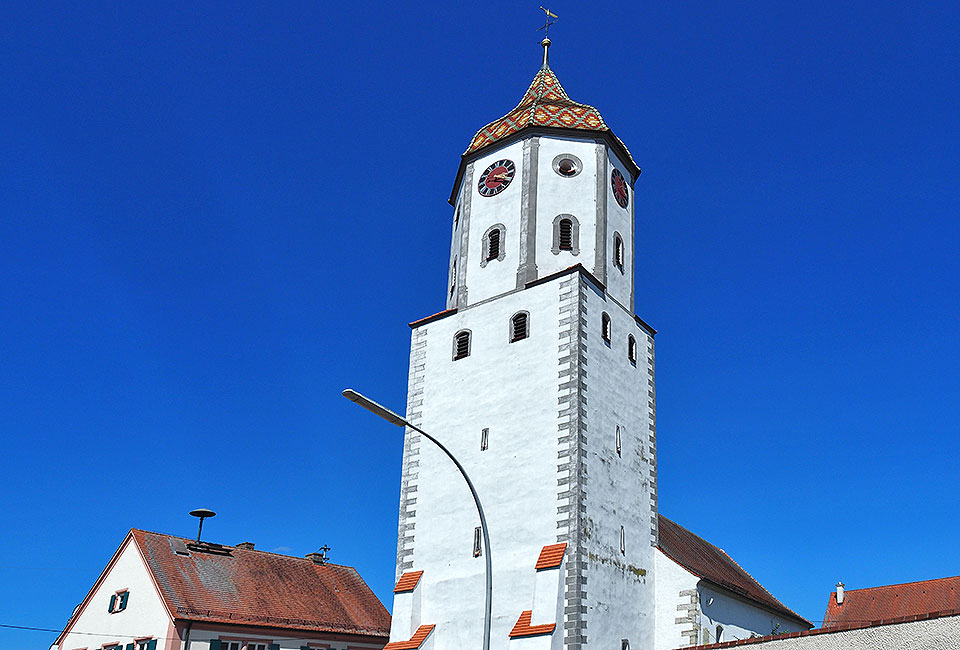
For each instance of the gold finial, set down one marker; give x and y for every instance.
(546, 33)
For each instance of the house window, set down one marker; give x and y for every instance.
(146, 644)
(256, 646)
(118, 601)
(484, 439)
(605, 328)
(477, 549)
(228, 645)
(618, 251)
(566, 234)
(519, 326)
(461, 344)
(493, 244)
(632, 349)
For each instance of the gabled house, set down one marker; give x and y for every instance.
(161, 592)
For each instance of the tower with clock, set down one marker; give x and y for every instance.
(539, 378)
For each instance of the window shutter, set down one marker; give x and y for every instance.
(129, 646)
(113, 602)
(304, 647)
(152, 645)
(274, 646)
(123, 600)
(214, 644)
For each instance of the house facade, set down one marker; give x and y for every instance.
(161, 592)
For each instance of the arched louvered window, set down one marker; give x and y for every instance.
(493, 244)
(519, 326)
(566, 234)
(605, 328)
(618, 251)
(461, 344)
(632, 349)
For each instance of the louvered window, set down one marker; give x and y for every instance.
(461, 345)
(477, 548)
(632, 349)
(618, 251)
(566, 235)
(605, 328)
(493, 245)
(519, 328)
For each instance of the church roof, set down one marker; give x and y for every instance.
(712, 564)
(545, 104)
(893, 601)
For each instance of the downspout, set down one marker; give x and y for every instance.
(186, 636)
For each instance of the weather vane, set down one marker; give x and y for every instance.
(546, 25)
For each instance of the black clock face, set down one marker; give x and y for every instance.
(496, 178)
(620, 191)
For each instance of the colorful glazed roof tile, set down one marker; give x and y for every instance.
(551, 556)
(893, 601)
(703, 559)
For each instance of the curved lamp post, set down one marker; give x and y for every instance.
(395, 419)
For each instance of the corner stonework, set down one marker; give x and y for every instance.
(411, 453)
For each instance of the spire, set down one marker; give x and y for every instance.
(546, 52)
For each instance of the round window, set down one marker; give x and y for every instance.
(567, 165)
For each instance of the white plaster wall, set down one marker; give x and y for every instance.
(620, 586)
(510, 388)
(144, 616)
(556, 195)
(200, 636)
(619, 285)
(739, 619)
(497, 276)
(933, 634)
(671, 579)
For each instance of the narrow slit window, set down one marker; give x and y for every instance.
(456, 217)
(461, 345)
(624, 644)
(484, 439)
(493, 245)
(623, 542)
(605, 329)
(719, 633)
(477, 548)
(632, 349)
(519, 326)
(618, 251)
(566, 235)
(619, 444)
(453, 277)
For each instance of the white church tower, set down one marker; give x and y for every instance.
(539, 378)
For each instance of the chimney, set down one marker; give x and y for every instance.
(245, 546)
(839, 594)
(317, 558)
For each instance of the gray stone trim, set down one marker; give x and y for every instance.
(574, 234)
(527, 269)
(563, 156)
(571, 454)
(467, 203)
(600, 264)
(410, 468)
(633, 252)
(486, 244)
(652, 437)
(688, 614)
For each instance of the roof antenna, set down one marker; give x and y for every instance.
(546, 34)
(202, 513)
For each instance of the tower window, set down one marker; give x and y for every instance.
(623, 542)
(453, 277)
(632, 349)
(719, 633)
(484, 439)
(624, 644)
(519, 326)
(456, 217)
(618, 251)
(461, 344)
(493, 244)
(477, 548)
(566, 234)
(619, 444)
(605, 328)
(568, 165)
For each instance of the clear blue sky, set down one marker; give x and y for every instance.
(213, 220)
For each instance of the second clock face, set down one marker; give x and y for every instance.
(496, 177)
(620, 191)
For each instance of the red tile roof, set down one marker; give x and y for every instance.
(523, 627)
(706, 561)
(893, 601)
(250, 587)
(415, 641)
(551, 556)
(407, 582)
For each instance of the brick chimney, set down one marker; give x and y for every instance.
(245, 546)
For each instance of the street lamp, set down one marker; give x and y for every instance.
(395, 419)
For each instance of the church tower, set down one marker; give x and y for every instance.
(539, 378)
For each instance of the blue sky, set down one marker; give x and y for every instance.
(213, 220)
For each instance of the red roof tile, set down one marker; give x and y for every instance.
(551, 556)
(705, 560)
(250, 587)
(407, 582)
(893, 601)
(523, 627)
(415, 641)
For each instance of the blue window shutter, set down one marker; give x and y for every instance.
(123, 600)
(214, 644)
(129, 646)
(152, 645)
(113, 601)
(274, 646)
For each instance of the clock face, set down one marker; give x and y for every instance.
(496, 177)
(620, 191)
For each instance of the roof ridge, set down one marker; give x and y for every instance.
(901, 584)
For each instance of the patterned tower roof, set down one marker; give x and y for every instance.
(545, 103)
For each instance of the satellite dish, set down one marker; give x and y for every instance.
(202, 513)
